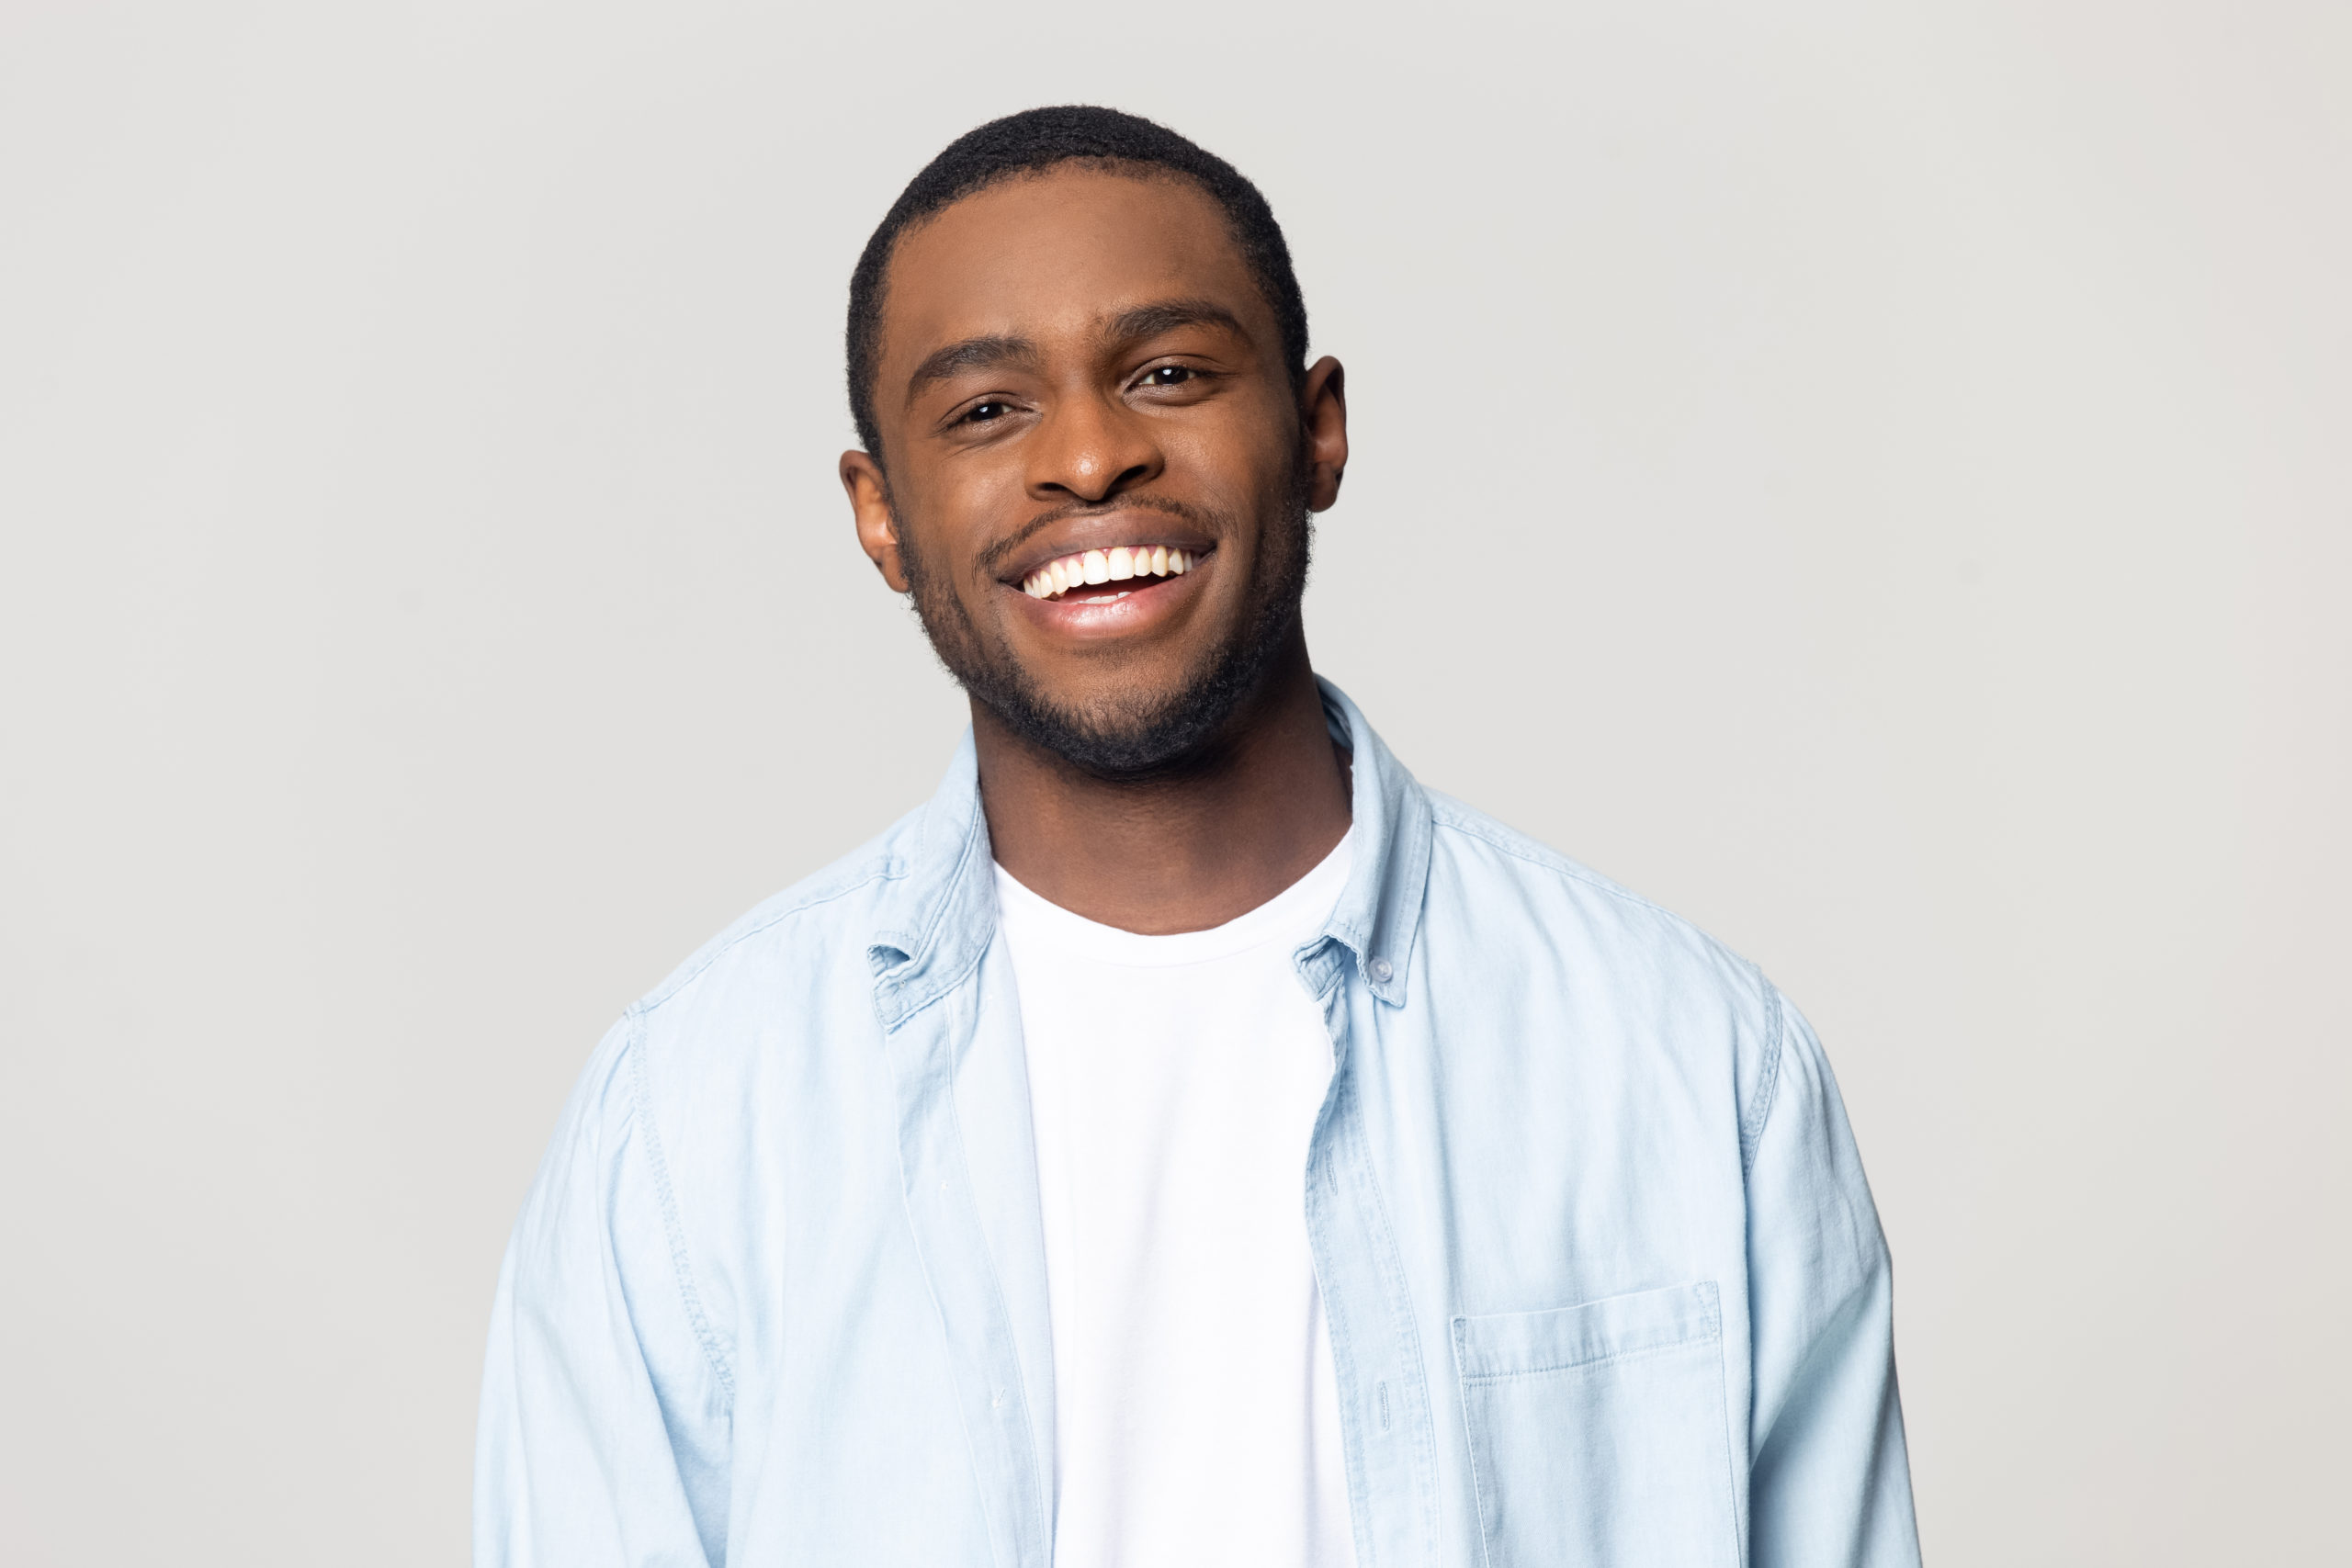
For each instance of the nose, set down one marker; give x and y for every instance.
(1090, 449)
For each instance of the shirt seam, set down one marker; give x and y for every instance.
(681, 1260)
(1768, 1083)
(1549, 861)
(1710, 1342)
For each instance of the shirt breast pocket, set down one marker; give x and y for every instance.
(1597, 1432)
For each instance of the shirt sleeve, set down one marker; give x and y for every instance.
(1829, 1479)
(604, 1410)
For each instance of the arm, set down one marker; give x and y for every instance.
(1829, 1481)
(605, 1413)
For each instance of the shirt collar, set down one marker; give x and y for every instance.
(1379, 913)
(939, 914)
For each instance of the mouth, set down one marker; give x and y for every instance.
(1100, 576)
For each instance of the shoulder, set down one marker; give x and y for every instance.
(1484, 859)
(1638, 972)
(805, 929)
(790, 977)
(722, 1064)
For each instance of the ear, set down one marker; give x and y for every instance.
(1323, 411)
(878, 530)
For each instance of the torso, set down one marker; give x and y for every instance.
(1174, 1082)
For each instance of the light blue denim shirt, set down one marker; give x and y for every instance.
(1604, 1281)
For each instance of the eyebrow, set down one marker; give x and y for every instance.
(970, 353)
(1167, 315)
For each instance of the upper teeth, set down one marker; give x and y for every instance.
(1114, 565)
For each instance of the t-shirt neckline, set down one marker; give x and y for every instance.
(1290, 917)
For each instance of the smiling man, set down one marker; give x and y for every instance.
(1186, 1139)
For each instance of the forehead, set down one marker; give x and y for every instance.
(1053, 255)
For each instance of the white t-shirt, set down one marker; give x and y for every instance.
(1174, 1081)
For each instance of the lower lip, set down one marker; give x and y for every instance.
(1148, 602)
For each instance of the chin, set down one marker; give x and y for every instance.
(1160, 735)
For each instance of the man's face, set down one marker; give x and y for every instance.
(1099, 472)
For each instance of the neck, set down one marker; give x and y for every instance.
(1182, 853)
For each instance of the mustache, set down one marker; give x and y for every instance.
(996, 554)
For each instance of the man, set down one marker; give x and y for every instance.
(1185, 1140)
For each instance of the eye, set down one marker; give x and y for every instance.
(981, 413)
(1168, 375)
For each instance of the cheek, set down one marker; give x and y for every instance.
(1244, 456)
(937, 528)
(1233, 473)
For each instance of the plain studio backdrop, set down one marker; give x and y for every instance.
(1876, 479)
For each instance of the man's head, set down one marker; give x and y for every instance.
(1076, 340)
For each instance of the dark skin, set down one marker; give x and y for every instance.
(1081, 360)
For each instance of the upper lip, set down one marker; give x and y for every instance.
(1100, 531)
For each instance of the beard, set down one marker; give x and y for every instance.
(1154, 735)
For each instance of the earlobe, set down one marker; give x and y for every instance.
(1323, 407)
(877, 527)
(886, 561)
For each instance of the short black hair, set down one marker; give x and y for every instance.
(1031, 143)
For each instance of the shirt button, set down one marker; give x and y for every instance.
(1381, 969)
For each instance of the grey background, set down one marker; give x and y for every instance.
(1874, 478)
